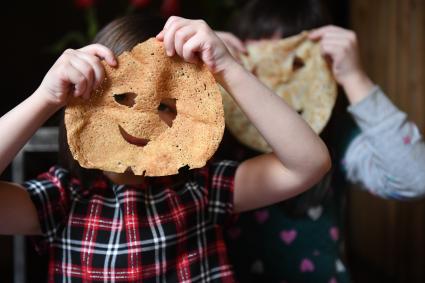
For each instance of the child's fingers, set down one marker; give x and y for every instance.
(170, 21)
(195, 48)
(77, 79)
(160, 35)
(101, 52)
(87, 71)
(315, 34)
(169, 36)
(331, 50)
(320, 32)
(328, 48)
(182, 35)
(342, 43)
(190, 49)
(99, 71)
(343, 36)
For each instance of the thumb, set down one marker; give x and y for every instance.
(316, 34)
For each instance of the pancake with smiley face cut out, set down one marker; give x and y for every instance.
(296, 71)
(152, 115)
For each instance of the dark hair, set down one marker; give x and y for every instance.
(119, 35)
(124, 33)
(266, 18)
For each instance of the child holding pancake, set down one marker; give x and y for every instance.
(128, 228)
(299, 240)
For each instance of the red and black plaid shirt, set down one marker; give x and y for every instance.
(145, 233)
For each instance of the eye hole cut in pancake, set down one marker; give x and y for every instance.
(167, 110)
(126, 99)
(297, 64)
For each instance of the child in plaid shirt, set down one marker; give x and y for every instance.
(105, 227)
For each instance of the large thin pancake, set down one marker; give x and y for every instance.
(296, 71)
(96, 128)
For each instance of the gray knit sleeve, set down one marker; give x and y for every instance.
(388, 157)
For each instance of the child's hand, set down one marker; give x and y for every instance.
(76, 72)
(341, 47)
(193, 40)
(233, 43)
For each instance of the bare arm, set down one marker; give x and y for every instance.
(18, 213)
(18, 125)
(300, 158)
(76, 72)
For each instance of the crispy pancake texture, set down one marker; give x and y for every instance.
(119, 128)
(296, 71)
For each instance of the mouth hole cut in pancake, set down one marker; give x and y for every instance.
(166, 111)
(133, 140)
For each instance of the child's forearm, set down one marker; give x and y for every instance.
(76, 73)
(291, 139)
(19, 124)
(357, 87)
